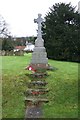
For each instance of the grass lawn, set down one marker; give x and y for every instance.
(63, 85)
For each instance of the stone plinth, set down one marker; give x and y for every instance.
(39, 56)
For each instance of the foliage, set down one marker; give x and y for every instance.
(31, 39)
(7, 44)
(21, 41)
(6, 40)
(60, 30)
(62, 83)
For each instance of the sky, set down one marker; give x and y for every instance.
(20, 14)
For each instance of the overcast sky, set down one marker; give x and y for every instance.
(20, 14)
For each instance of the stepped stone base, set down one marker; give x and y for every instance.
(39, 56)
(39, 65)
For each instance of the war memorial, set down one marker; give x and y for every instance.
(35, 95)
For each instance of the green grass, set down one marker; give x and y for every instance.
(63, 85)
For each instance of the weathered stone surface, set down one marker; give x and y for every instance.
(39, 42)
(0, 52)
(3, 53)
(33, 112)
(19, 53)
(11, 53)
(37, 83)
(6, 53)
(40, 66)
(36, 99)
(39, 55)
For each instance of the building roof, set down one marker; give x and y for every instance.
(20, 47)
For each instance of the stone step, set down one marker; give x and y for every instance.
(36, 91)
(39, 75)
(39, 83)
(34, 99)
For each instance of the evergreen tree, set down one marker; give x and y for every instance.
(7, 44)
(60, 30)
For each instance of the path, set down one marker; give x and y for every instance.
(33, 112)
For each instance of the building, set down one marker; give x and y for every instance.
(17, 48)
(29, 47)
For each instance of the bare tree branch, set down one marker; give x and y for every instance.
(3, 28)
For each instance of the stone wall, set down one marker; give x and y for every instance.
(11, 53)
(19, 53)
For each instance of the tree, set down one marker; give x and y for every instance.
(60, 31)
(3, 28)
(6, 42)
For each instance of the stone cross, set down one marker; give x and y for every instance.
(39, 20)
